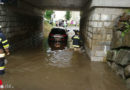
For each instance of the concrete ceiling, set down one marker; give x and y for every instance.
(58, 4)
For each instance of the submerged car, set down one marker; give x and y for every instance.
(58, 34)
(57, 45)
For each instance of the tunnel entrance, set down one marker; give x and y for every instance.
(65, 69)
(60, 27)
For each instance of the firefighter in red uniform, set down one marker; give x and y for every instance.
(4, 49)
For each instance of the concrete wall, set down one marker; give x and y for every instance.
(96, 28)
(22, 29)
(111, 3)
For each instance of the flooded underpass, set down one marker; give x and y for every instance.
(64, 69)
(60, 70)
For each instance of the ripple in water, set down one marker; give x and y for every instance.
(59, 58)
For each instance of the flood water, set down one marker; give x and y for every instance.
(58, 70)
(47, 69)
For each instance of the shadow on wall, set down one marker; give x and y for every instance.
(22, 31)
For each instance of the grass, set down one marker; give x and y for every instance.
(47, 29)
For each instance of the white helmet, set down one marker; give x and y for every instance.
(0, 26)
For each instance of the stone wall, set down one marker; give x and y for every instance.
(23, 30)
(118, 57)
(97, 29)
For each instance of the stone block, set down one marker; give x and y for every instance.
(89, 18)
(106, 17)
(95, 47)
(95, 42)
(102, 37)
(109, 31)
(7, 30)
(120, 41)
(102, 30)
(95, 30)
(96, 17)
(110, 55)
(90, 34)
(114, 66)
(118, 69)
(90, 29)
(100, 24)
(126, 40)
(2, 18)
(128, 83)
(90, 42)
(1, 8)
(3, 24)
(94, 58)
(109, 63)
(123, 57)
(127, 71)
(109, 37)
(104, 42)
(116, 40)
(115, 53)
(99, 53)
(97, 36)
(108, 24)
(115, 17)
(90, 23)
(3, 12)
(96, 24)
(12, 18)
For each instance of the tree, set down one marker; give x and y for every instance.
(48, 14)
(68, 15)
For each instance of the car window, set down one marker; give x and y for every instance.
(58, 31)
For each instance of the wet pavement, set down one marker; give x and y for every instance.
(54, 69)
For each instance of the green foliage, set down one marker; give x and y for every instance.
(48, 14)
(127, 28)
(68, 15)
(127, 10)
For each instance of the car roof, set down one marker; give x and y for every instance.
(58, 28)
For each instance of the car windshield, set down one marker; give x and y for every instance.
(58, 31)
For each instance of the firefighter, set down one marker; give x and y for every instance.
(76, 40)
(4, 49)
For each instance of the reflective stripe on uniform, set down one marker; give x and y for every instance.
(5, 41)
(76, 46)
(76, 37)
(2, 55)
(2, 68)
(0, 39)
(6, 46)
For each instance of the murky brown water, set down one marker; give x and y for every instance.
(58, 70)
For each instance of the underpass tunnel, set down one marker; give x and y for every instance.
(58, 31)
(22, 23)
